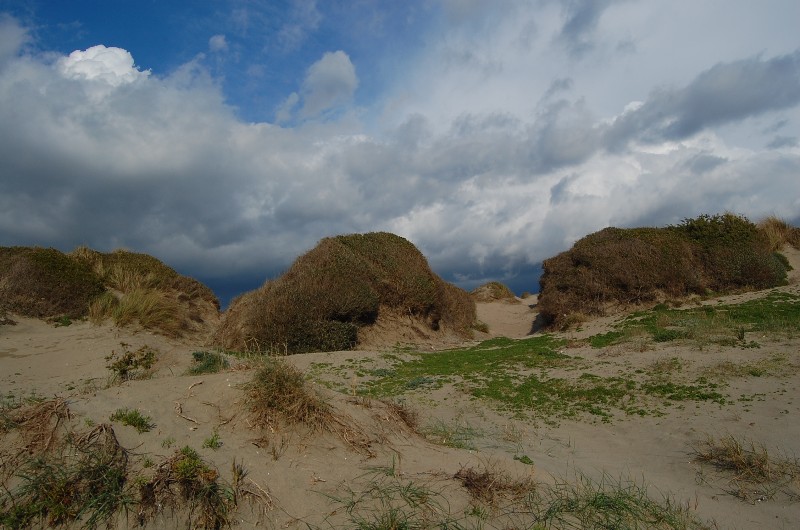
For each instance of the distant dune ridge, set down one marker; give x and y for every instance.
(377, 289)
(334, 297)
(622, 267)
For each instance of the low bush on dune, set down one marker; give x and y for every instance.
(44, 282)
(341, 285)
(493, 291)
(719, 253)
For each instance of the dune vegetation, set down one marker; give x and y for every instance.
(492, 291)
(45, 283)
(140, 288)
(622, 267)
(126, 287)
(345, 283)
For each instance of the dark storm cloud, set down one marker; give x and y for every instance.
(725, 93)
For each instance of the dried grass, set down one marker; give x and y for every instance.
(279, 397)
(490, 486)
(779, 233)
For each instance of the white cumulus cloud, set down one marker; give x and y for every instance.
(113, 66)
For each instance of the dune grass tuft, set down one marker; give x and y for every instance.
(754, 472)
(133, 418)
(278, 394)
(142, 289)
(207, 362)
(492, 291)
(779, 233)
(83, 481)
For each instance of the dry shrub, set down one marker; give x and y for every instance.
(632, 266)
(779, 233)
(338, 287)
(279, 397)
(39, 423)
(44, 282)
(185, 480)
(749, 462)
(84, 480)
(402, 412)
(493, 291)
(489, 486)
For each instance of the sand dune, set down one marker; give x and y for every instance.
(325, 479)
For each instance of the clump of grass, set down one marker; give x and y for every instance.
(83, 482)
(779, 233)
(489, 486)
(278, 393)
(144, 290)
(278, 396)
(493, 291)
(750, 465)
(133, 418)
(213, 441)
(619, 504)
(44, 282)
(407, 416)
(186, 479)
(206, 362)
(458, 434)
(131, 364)
(387, 501)
(151, 308)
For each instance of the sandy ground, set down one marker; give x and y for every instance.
(305, 473)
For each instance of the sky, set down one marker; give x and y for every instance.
(227, 137)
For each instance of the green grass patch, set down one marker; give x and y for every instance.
(519, 376)
(488, 360)
(206, 362)
(729, 325)
(133, 418)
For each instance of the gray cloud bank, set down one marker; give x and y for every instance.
(95, 151)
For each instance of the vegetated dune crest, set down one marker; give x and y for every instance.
(360, 290)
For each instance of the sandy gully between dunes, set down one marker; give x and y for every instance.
(304, 472)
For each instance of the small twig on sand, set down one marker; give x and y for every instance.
(189, 390)
(179, 412)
